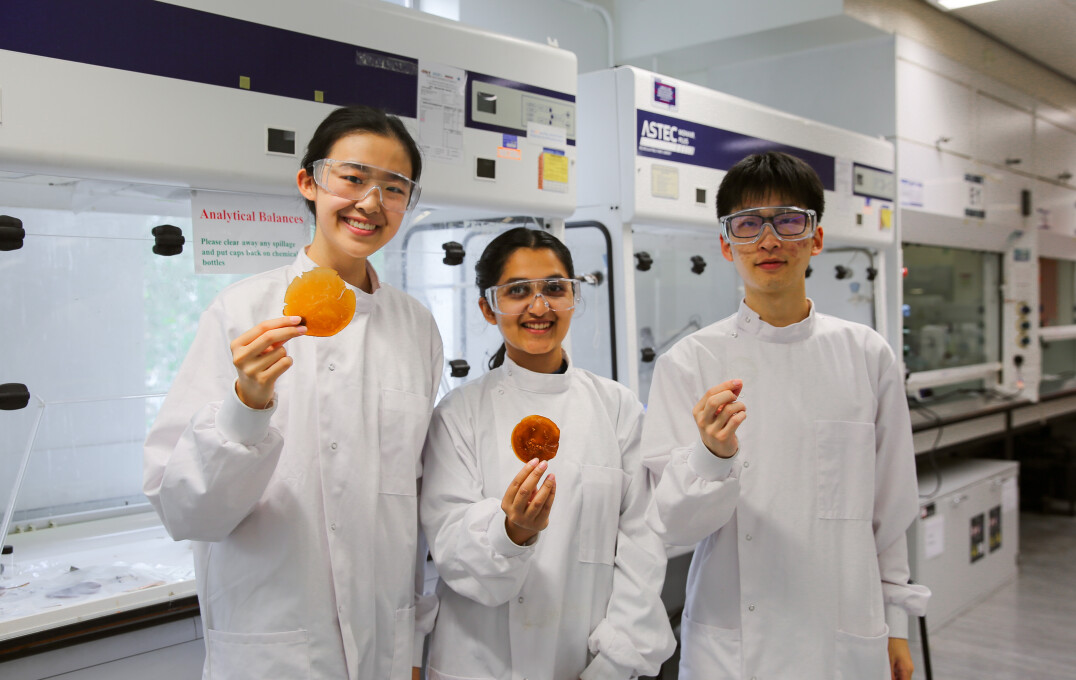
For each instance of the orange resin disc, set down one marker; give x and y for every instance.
(322, 299)
(535, 437)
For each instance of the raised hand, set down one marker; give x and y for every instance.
(718, 414)
(260, 358)
(525, 505)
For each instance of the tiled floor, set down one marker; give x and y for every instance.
(1027, 629)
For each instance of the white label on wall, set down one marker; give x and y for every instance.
(664, 181)
(933, 536)
(1010, 495)
(911, 193)
(441, 102)
(245, 233)
(975, 205)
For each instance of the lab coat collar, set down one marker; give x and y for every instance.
(529, 381)
(364, 302)
(750, 323)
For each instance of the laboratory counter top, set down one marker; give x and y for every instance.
(949, 422)
(75, 582)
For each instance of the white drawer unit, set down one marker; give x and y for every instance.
(965, 543)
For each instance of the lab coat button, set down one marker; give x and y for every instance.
(747, 463)
(332, 367)
(520, 600)
(748, 537)
(333, 446)
(332, 527)
(734, 334)
(751, 608)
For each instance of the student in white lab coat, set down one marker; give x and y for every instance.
(783, 445)
(551, 580)
(292, 461)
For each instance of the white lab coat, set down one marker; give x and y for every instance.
(304, 515)
(583, 600)
(801, 559)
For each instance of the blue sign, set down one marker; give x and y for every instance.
(673, 139)
(664, 93)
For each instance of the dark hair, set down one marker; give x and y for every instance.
(351, 119)
(771, 172)
(490, 265)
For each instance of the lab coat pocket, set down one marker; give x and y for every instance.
(403, 420)
(708, 651)
(599, 513)
(862, 658)
(402, 644)
(235, 656)
(845, 468)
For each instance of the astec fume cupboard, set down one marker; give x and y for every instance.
(654, 150)
(108, 155)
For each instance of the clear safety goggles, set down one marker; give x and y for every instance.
(787, 223)
(354, 181)
(516, 297)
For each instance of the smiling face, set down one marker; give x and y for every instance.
(532, 339)
(772, 270)
(348, 232)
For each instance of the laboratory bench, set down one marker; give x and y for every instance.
(72, 583)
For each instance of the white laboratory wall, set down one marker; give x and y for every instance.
(657, 27)
(804, 85)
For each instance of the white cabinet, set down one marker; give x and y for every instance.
(965, 542)
(934, 110)
(1055, 152)
(1003, 133)
(1055, 208)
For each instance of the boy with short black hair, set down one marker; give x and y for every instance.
(799, 510)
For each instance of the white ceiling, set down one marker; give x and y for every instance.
(1044, 30)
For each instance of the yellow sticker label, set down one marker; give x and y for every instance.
(319, 96)
(244, 82)
(554, 168)
(887, 218)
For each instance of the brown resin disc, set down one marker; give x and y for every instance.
(535, 437)
(324, 301)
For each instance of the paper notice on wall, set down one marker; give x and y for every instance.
(1010, 495)
(975, 205)
(842, 176)
(933, 536)
(245, 233)
(664, 181)
(550, 135)
(441, 107)
(911, 193)
(553, 171)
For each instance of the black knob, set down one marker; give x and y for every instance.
(843, 272)
(649, 354)
(167, 240)
(1025, 341)
(697, 264)
(643, 261)
(871, 273)
(807, 275)
(11, 233)
(459, 368)
(13, 396)
(454, 253)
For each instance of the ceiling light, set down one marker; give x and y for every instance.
(960, 4)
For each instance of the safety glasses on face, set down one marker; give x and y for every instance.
(354, 181)
(516, 297)
(787, 223)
